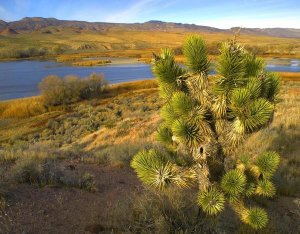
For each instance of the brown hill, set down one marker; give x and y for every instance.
(38, 23)
(273, 32)
(3, 24)
(8, 31)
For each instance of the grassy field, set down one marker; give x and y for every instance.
(86, 145)
(118, 43)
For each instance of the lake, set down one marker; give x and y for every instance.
(20, 78)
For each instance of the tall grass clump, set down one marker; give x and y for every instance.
(205, 122)
(40, 164)
(22, 108)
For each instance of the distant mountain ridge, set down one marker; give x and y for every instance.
(37, 23)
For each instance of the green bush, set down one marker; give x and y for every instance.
(34, 170)
(118, 155)
(70, 89)
(47, 171)
(24, 53)
(92, 86)
(168, 212)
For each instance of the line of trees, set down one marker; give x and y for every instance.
(61, 91)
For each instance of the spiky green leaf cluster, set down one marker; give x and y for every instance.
(196, 55)
(157, 170)
(182, 103)
(187, 133)
(270, 86)
(256, 217)
(265, 188)
(166, 69)
(233, 183)
(253, 66)
(164, 134)
(153, 168)
(267, 163)
(211, 201)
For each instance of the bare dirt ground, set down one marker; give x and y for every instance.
(34, 209)
(52, 209)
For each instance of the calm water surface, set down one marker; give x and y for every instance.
(20, 78)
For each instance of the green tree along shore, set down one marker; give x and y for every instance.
(204, 123)
(57, 91)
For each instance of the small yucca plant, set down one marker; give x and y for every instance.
(205, 120)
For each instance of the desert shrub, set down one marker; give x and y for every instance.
(256, 49)
(42, 167)
(23, 149)
(214, 48)
(58, 91)
(87, 182)
(92, 86)
(35, 170)
(52, 90)
(86, 46)
(118, 155)
(24, 53)
(175, 211)
(7, 156)
(59, 49)
(167, 212)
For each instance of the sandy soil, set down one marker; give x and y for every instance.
(67, 210)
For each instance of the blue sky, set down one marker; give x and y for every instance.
(217, 13)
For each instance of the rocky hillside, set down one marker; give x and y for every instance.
(273, 32)
(37, 23)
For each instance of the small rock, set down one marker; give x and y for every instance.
(71, 167)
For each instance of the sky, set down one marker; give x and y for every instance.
(215, 13)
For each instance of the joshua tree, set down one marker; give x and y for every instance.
(205, 120)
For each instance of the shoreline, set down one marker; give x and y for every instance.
(115, 85)
(286, 77)
(83, 56)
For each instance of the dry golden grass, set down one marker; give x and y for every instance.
(117, 89)
(290, 76)
(139, 44)
(75, 57)
(13, 129)
(25, 116)
(91, 63)
(22, 108)
(33, 106)
(133, 132)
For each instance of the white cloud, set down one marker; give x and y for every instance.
(131, 12)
